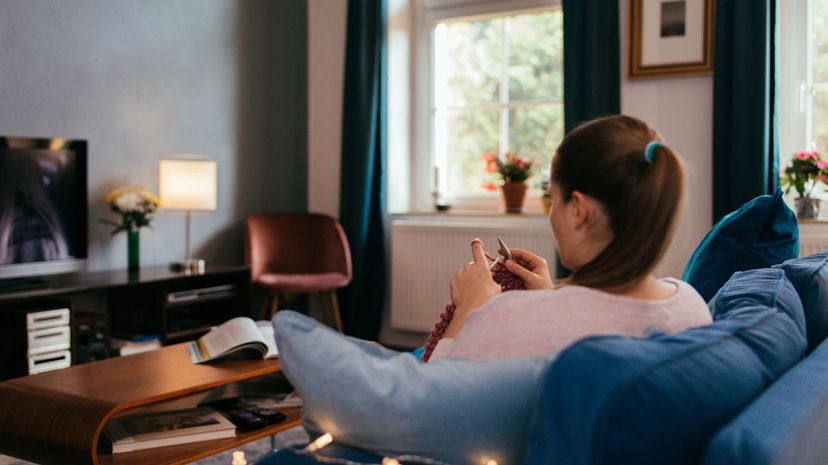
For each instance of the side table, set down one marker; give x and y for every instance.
(58, 417)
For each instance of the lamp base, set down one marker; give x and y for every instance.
(190, 266)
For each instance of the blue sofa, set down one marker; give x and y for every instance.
(752, 388)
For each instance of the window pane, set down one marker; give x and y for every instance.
(820, 58)
(821, 121)
(535, 132)
(469, 135)
(536, 56)
(468, 62)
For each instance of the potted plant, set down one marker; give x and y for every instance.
(803, 174)
(513, 170)
(136, 207)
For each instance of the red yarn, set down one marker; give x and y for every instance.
(501, 275)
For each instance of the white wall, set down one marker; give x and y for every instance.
(326, 61)
(681, 109)
(140, 80)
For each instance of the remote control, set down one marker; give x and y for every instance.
(270, 416)
(247, 421)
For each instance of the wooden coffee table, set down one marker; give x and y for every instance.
(58, 417)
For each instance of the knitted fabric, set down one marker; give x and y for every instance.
(501, 275)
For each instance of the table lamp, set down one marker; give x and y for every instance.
(189, 185)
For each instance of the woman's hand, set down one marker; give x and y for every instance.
(471, 287)
(530, 268)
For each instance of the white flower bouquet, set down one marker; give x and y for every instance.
(135, 205)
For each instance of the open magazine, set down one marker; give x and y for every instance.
(239, 334)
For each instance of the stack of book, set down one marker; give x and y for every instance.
(148, 430)
(136, 344)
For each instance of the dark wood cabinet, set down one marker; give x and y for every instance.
(177, 306)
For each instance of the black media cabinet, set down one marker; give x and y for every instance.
(178, 306)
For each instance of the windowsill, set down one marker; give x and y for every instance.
(473, 219)
(457, 212)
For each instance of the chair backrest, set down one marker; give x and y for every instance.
(296, 243)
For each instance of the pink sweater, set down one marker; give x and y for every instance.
(533, 323)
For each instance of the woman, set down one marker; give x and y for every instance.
(616, 194)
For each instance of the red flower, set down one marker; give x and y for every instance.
(489, 186)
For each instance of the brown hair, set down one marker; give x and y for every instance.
(605, 159)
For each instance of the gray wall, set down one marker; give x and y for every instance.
(144, 79)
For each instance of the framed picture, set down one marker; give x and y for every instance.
(670, 38)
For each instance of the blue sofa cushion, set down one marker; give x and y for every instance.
(809, 275)
(786, 425)
(618, 400)
(455, 411)
(762, 233)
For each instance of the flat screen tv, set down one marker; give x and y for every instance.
(43, 206)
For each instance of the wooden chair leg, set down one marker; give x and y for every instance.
(333, 310)
(266, 303)
(270, 305)
(274, 305)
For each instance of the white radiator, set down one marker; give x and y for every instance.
(426, 251)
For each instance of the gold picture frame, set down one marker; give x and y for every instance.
(670, 38)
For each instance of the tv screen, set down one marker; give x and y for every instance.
(43, 205)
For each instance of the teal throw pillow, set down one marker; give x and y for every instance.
(761, 234)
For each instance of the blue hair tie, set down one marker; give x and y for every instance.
(650, 150)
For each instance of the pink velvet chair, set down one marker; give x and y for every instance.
(298, 253)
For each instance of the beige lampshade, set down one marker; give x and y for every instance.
(187, 184)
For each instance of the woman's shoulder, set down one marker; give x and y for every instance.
(543, 297)
(684, 289)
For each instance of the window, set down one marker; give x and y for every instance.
(498, 86)
(486, 76)
(817, 128)
(803, 72)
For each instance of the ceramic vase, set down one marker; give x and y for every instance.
(513, 195)
(807, 208)
(133, 250)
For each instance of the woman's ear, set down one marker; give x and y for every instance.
(581, 209)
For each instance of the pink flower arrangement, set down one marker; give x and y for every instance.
(511, 168)
(806, 170)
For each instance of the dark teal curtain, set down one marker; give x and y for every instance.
(592, 65)
(745, 136)
(592, 62)
(362, 196)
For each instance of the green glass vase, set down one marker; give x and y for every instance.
(133, 249)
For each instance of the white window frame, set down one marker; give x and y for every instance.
(411, 137)
(795, 80)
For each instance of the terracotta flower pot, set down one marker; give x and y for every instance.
(513, 195)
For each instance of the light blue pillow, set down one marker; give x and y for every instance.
(451, 410)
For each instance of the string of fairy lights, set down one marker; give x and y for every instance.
(327, 438)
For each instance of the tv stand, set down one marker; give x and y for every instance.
(21, 284)
(175, 306)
